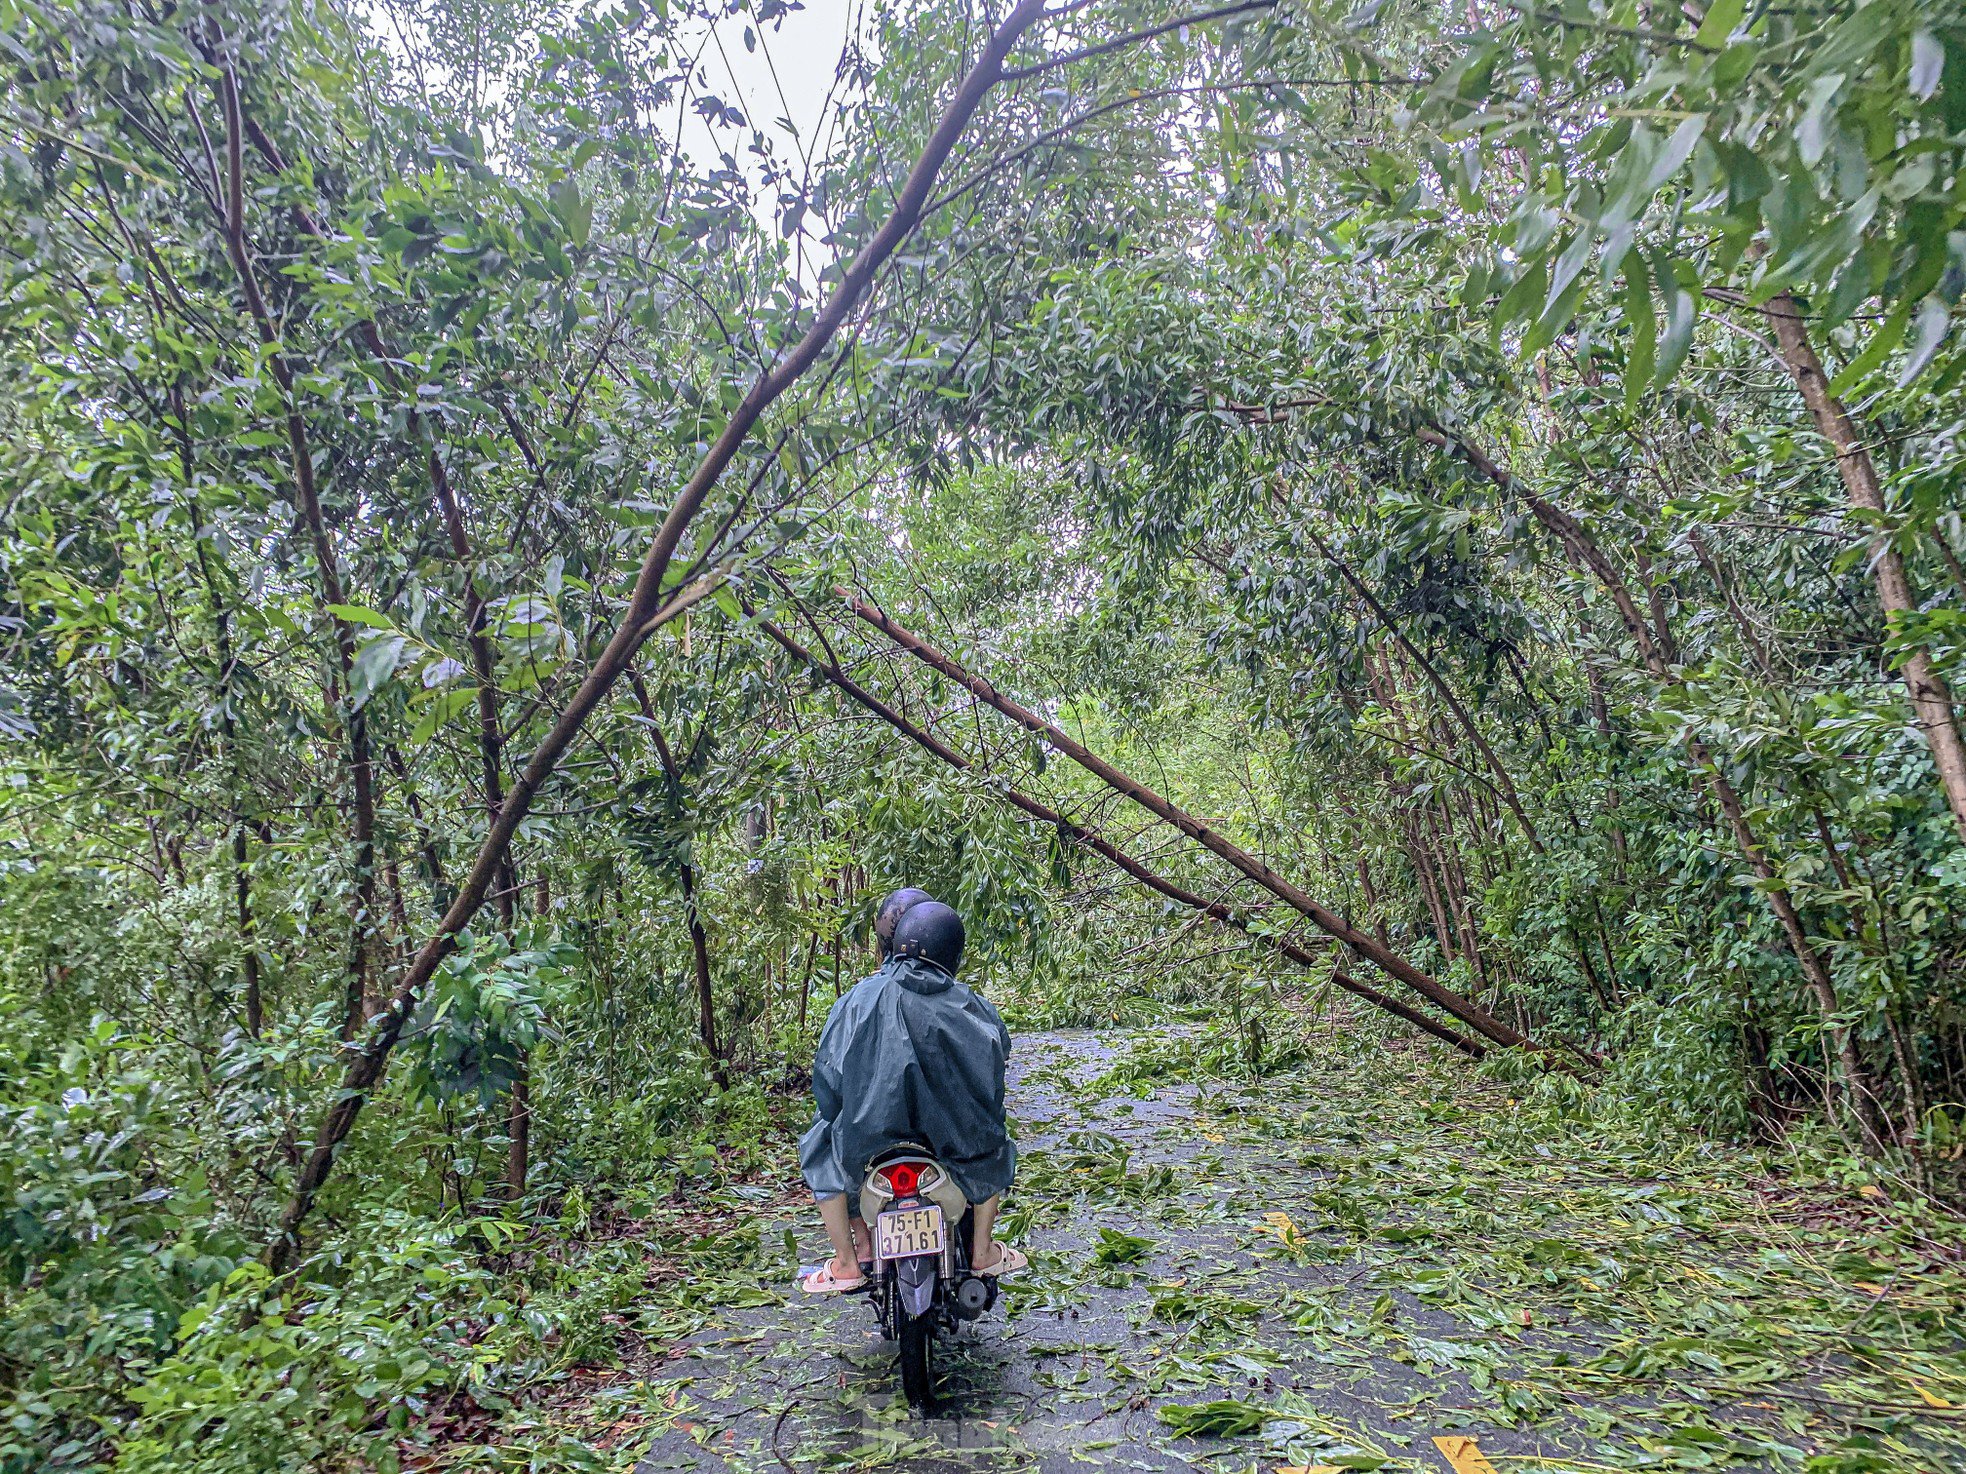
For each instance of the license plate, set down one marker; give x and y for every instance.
(909, 1233)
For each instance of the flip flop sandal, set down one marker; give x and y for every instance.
(1008, 1262)
(822, 1281)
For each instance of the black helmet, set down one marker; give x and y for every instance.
(890, 912)
(933, 931)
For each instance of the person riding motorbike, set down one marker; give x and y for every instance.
(909, 1054)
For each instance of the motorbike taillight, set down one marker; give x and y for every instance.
(903, 1178)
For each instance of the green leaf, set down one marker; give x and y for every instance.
(357, 614)
(442, 709)
(1645, 164)
(1224, 1418)
(1928, 61)
(1934, 322)
(1615, 246)
(1679, 148)
(1812, 133)
(1640, 356)
(1748, 178)
(374, 664)
(573, 211)
(1854, 282)
(1568, 265)
(1115, 1247)
(1681, 314)
(1556, 317)
(1518, 299)
(1722, 17)
(1875, 352)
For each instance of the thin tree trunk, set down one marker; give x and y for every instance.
(518, 1131)
(1908, 1078)
(1828, 841)
(1863, 1099)
(1954, 568)
(1442, 826)
(1372, 906)
(1655, 601)
(1743, 626)
(518, 1107)
(483, 666)
(1601, 717)
(699, 940)
(1604, 945)
(307, 497)
(1504, 784)
(242, 884)
(399, 911)
(805, 983)
(242, 893)
(805, 977)
(490, 742)
(1931, 702)
(1426, 872)
(426, 844)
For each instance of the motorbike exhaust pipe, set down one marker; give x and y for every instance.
(974, 1295)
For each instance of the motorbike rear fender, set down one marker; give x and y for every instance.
(914, 1283)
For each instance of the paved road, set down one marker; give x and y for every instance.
(1070, 1371)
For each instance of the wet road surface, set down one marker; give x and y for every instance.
(1158, 1277)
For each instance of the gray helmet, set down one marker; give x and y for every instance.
(932, 931)
(890, 912)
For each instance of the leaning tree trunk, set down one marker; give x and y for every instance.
(1319, 916)
(1931, 702)
(646, 611)
(1859, 1088)
(1109, 851)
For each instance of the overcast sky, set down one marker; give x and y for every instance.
(787, 76)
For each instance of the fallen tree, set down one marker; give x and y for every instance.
(1327, 921)
(829, 668)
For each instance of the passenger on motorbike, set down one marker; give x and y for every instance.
(909, 1055)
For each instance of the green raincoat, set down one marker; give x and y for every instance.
(910, 1054)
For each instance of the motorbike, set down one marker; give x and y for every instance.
(921, 1282)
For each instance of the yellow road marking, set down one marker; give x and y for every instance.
(1463, 1453)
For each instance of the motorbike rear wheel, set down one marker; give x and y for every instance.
(917, 1340)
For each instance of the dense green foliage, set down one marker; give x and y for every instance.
(1382, 429)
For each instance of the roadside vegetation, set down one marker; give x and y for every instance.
(1411, 550)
